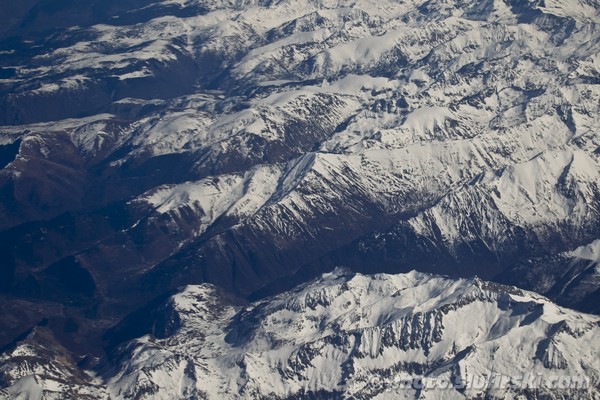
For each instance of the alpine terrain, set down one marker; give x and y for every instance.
(181, 179)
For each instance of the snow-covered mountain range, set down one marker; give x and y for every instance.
(331, 337)
(254, 145)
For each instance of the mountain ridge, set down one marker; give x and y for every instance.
(333, 335)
